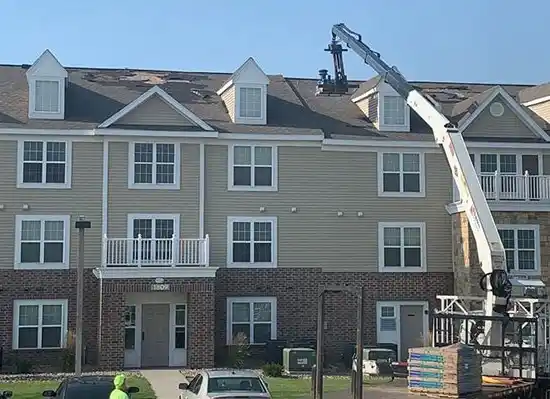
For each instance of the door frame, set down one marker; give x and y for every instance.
(395, 337)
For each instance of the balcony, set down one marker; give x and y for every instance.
(515, 188)
(155, 257)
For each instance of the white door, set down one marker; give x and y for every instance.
(156, 244)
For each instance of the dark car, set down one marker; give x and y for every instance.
(87, 387)
(5, 394)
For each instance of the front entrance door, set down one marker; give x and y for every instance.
(155, 335)
(411, 328)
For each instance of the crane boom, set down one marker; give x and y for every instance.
(489, 245)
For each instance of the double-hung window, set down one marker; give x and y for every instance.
(522, 246)
(154, 165)
(39, 324)
(251, 242)
(402, 247)
(255, 318)
(401, 174)
(253, 167)
(250, 102)
(394, 111)
(44, 164)
(47, 96)
(42, 242)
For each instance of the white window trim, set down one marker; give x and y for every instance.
(66, 242)
(401, 194)
(68, 165)
(395, 128)
(133, 216)
(274, 168)
(33, 113)
(263, 98)
(251, 301)
(40, 302)
(230, 263)
(402, 269)
(154, 186)
(536, 229)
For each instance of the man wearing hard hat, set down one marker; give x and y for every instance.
(120, 388)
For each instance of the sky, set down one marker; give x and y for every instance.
(489, 41)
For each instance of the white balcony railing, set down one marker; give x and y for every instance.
(155, 252)
(503, 187)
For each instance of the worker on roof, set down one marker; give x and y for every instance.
(120, 388)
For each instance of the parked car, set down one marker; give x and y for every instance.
(6, 394)
(225, 383)
(87, 387)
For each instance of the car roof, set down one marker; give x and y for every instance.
(91, 379)
(216, 373)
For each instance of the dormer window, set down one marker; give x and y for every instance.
(250, 103)
(394, 111)
(46, 96)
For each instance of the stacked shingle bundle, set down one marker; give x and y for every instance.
(453, 370)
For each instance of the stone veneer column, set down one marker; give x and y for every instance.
(461, 254)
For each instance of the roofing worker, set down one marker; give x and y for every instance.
(120, 388)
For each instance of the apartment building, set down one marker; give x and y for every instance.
(220, 203)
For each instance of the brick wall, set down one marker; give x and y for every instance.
(296, 290)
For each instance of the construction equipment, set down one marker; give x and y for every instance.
(495, 313)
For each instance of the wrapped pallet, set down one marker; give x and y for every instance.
(452, 371)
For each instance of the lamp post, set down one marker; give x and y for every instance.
(358, 292)
(81, 224)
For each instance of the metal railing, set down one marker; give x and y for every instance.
(504, 187)
(147, 252)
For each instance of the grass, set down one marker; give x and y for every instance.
(34, 389)
(299, 388)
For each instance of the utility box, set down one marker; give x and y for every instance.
(298, 360)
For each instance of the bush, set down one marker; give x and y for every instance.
(272, 370)
(239, 351)
(67, 359)
(18, 365)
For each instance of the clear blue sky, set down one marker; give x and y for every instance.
(501, 41)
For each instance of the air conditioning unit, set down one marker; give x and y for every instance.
(298, 360)
(525, 287)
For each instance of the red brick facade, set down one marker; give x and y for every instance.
(295, 289)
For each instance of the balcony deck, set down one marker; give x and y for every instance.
(515, 188)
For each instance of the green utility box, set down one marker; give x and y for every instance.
(298, 360)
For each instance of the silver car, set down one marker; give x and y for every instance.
(227, 384)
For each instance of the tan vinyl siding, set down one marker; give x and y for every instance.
(154, 112)
(229, 100)
(123, 201)
(509, 125)
(319, 184)
(84, 198)
(542, 110)
(369, 106)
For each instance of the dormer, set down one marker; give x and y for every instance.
(384, 107)
(47, 79)
(245, 94)
(537, 99)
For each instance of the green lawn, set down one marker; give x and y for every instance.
(299, 388)
(34, 389)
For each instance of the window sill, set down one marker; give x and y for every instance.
(36, 349)
(154, 187)
(519, 274)
(384, 269)
(251, 266)
(249, 188)
(56, 186)
(40, 266)
(401, 194)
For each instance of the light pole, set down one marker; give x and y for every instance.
(81, 224)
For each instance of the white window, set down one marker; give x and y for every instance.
(402, 247)
(42, 242)
(252, 167)
(180, 327)
(394, 111)
(251, 242)
(157, 233)
(39, 324)
(256, 318)
(522, 246)
(388, 318)
(130, 327)
(401, 174)
(154, 165)
(47, 96)
(44, 164)
(250, 102)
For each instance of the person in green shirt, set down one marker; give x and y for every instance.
(120, 388)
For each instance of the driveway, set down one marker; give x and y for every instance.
(164, 382)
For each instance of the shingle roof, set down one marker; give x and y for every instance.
(93, 95)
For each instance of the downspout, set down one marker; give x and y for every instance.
(99, 341)
(202, 179)
(104, 218)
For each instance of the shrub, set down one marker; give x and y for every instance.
(67, 358)
(239, 351)
(272, 370)
(18, 365)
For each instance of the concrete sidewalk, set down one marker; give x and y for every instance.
(165, 382)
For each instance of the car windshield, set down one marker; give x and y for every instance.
(225, 384)
(89, 391)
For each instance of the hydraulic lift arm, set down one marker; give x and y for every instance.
(447, 135)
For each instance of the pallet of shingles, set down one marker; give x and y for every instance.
(452, 371)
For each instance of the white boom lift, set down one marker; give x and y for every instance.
(499, 300)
